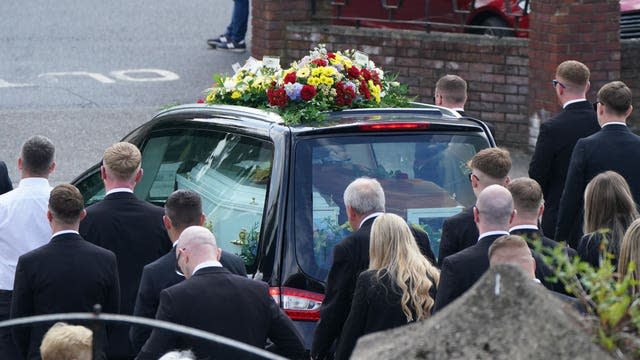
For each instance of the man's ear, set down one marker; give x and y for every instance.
(83, 214)
(20, 164)
(139, 174)
(202, 219)
(507, 180)
(49, 215)
(167, 222)
(219, 254)
(103, 172)
(476, 215)
(541, 210)
(52, 167)
(513, 216)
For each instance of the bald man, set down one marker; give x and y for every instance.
(214, 300)
(492, 214)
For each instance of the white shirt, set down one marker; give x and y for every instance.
(64, 232)
(489, 233)
(523, 227)
(614, 123)
(118, 190)
(23, 224)
(572, 101)
(372, 215)
(211, 263)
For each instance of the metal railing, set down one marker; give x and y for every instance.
(98, 318)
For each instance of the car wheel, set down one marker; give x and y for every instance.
(492, 24)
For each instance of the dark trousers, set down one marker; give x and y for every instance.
(8, 348)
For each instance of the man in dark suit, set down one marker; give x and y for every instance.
(5, 181)
(182, 209)
(66, 275)
(614, 147)
(559, 135)
(214, 300)
(364, 200)
(492, 214)
(488, 167)
(129, 227)
(529, 205)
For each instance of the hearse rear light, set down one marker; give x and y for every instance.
(394, 126)
(298, 304)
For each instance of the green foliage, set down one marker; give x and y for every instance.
(613, 312)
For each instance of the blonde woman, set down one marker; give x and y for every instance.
(398, 288)
(630, 252)
(609, 209)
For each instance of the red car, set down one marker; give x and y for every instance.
(472, 16)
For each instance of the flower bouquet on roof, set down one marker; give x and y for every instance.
(319, 82)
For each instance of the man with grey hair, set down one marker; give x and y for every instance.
(214, 300)
(492, 214)
(23, 222)
(364, 200)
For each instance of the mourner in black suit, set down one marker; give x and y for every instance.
(558, 136)
(614, 147)
(399, 286)
(5, 182)
(129, 227)
(214, 300)
(529, 205)
(66, 275)
(488, 167)
(350, 258)
(493, 213)
(182, 209)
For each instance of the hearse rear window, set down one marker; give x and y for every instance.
(425, 179)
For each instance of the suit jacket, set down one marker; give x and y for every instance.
(219, 302)
(158, 276)
(66, 275)
(615, 148)
(350, 258)
(461, 270)
(589, 249)
(134, 231)
(543, 271)
(376, 306)
(5, 182)
(458, 233)
(550, 160)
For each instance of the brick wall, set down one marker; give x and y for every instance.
(631, 76)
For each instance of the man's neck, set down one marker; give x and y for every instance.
(528, 222)
(62, 227)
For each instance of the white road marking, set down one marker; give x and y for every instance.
(6, 84)
(163, 75)
(95, 76)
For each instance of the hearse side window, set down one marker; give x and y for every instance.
(425, 179)
(229, 171)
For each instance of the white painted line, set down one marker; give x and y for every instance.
(162, 75)
(95, 76)
(6, 84)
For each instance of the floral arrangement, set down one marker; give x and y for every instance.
(321, 81)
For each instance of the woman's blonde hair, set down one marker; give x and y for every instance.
(394, 251)
(630, 252)
(609, 206)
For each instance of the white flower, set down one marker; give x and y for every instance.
(230, 84)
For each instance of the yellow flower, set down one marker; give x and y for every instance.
(316, 72)
(313, 81)
(211, 96)
(375, 90)
(329, 71)
(303, 73)
(236, 95)
(326, 80)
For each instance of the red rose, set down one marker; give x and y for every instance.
(364, 90)
(344, 94)
(307, 92)
(290, 78)
(353, 72)
(331, 55)
(365, 74)
(320, 62)
(200, 101)
(277, 97)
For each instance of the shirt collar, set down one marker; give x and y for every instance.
(614, 123)
(375, 214)
(523, 227)
(119, 190)
(61, 232)
(210, 263)
(33, 181)
(572, 102)
(489, 233)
